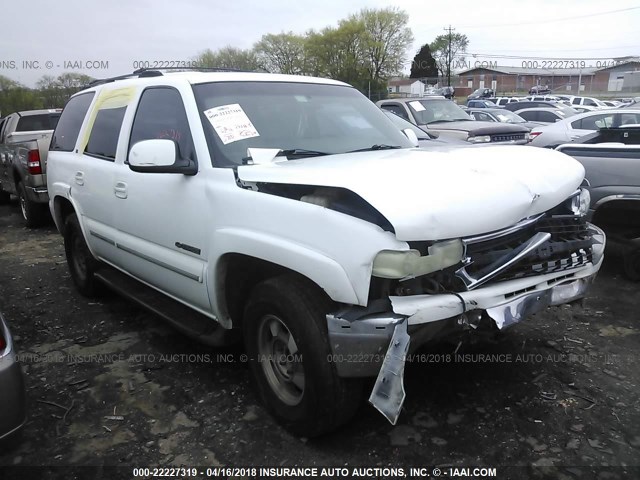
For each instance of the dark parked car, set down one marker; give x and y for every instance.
(539, 90)
(445, 118)
(626, 134)
(481, 93)
(12, 393)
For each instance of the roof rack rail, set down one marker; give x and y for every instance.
(157, 72)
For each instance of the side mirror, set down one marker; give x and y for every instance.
(411, 135)
(159, 156)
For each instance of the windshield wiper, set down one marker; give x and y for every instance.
(450, 120)
(377, 146)
(301, 152)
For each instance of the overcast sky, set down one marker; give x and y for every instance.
(121, 32)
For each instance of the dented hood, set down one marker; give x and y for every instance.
(445, 192)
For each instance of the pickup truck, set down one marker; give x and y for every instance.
(290, 212)
(613, 176)
(443, 117)
(24, 143)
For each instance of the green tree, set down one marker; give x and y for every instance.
(229, 57)
(447, 47)
(54, 92)
(423, 64)
(282, 53)
(386, 40)
(338, 53)
(15, 97)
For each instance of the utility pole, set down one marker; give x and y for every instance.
(449, 56)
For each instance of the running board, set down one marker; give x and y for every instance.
(181, 317)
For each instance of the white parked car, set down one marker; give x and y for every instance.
(290, 211)
(576, 126)
(502, 101)
(588, 102)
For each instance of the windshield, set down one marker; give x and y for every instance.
(433, 111)
(305, 118)
(505, 116)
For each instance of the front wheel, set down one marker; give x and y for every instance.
(632, 265)
(285, 332)
(82, 264)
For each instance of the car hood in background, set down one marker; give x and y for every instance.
(478, 127)
(444, 192)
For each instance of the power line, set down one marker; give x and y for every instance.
(548, 20)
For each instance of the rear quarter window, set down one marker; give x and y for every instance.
(68, 127)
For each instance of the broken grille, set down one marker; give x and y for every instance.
(570, 246)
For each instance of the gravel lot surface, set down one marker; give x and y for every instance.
(560, 390)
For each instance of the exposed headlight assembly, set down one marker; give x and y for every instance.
(409, 263)
(580, 202)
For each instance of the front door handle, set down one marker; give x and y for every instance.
(79, 178)
(120, 190)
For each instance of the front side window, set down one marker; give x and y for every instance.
(397, 109)
(547, 117)
(68, 127)
(530, 116)
(161, 115)
(329, 119)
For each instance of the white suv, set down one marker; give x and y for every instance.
(290, 210)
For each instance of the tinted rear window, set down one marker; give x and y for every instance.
(105, 132)
(68, 128)
(30, 123)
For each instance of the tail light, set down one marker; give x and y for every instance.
(534, 135)
(34, 167)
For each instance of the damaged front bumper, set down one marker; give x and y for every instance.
(376, 344)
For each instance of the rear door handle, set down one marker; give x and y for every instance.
(120, 190)
(79, 177)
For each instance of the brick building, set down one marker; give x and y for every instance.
(559, 80)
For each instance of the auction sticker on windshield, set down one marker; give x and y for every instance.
(417, 106)
(231, 123)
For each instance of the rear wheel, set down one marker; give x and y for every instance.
(82, 264)
(33, 213)
(285, 332)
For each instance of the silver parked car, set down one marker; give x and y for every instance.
(576, 126)
(12, 393)
(543, 115)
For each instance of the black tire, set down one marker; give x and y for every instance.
(34, 214)
(4, 197)
(82, 264)
(632, 265)
(296, 310)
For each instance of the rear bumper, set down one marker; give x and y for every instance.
(360, 346)
(12, 392)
